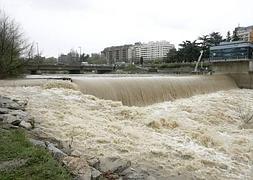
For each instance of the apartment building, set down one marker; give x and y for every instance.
(132, 53)
(245, 33)
(116, 54)
(152, 50)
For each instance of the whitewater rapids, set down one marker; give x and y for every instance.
(203, 135)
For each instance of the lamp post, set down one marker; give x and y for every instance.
(80, 49)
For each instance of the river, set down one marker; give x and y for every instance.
(203, 134)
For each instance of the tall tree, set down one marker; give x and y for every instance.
(171, 56)
(13, 47)
(215, 38)
(206, 41)
(235, 35)
(228, 38)
(189, 51)
(205, 45)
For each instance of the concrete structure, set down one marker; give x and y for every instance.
(234, 59)
(71, 69)
(117, 54)
(232, 51)
(245, 33)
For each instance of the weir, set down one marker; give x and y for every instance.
(141, 91)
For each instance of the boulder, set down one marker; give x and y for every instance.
(78, 167)
(10, 119)
(4, 110)
(131, 173)
(38, 143)
(93, 162)
(8, 126)
(25, 125)
(95, 174)
(10, 104)
(113, 164)
(57, 153)
(76, 153)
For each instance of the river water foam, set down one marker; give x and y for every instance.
(201, 135)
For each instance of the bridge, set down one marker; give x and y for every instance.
(71, 69)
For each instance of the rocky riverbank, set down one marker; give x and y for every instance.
(14, 116)
(171, 140)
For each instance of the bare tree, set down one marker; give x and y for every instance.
(14, 48)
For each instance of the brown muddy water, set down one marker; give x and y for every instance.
(199, 129)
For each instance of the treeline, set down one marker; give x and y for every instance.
(189, 51)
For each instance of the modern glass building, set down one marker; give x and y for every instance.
(232, 51)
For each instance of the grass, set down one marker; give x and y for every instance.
(40, 164)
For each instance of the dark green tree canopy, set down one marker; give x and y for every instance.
(228, 38)
(235, 35)
(189, 51)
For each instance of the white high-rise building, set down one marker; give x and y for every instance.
(152, 50)
(132, 53)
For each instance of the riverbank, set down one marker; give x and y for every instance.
(19, 159)
(203, 136)
(27, 154)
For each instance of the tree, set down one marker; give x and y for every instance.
(84, 58)
(14, 48)
(171, 56)
(235, 35)
(141, 61)
(205, 45)
(215, 38)
(206, 41)
(228, 38)
(189, 51)
(96, 59)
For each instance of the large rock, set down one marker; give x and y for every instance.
(113, 164)
(57, 153)
(95, 174)
(78, 167)
(25, 125)
(131, 173)
(38, 143)
(4, 110)
(94, 162)
(11, 104)
(10, 119)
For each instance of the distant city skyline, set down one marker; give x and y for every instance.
(60, 25)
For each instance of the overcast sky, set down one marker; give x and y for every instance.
(61, 25)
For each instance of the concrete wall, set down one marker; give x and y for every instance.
(243, 80)
(231, 67)
(240, 71)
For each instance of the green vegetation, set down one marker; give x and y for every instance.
(189, 51)
(39, 164)
(96, 59)
(130, 68)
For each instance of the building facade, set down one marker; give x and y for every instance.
(152, 50)
(117, 54)
(232, 51)
(245, 33)
(132, 53)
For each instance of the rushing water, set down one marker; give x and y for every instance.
(203, 135)
(143, 91)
